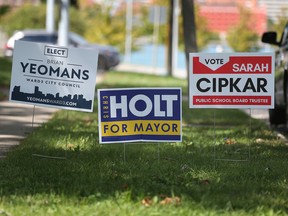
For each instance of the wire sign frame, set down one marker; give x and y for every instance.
(231, 81)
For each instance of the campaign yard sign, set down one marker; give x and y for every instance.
(48, 75)
(140, 114)
(231, 80)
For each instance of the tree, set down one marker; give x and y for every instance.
(189, 27)
(33, 17)
(4, 9)
(104, 28)
(242, 37)
(203, 34)
(279, 25)
(194, 33)
(27, 16)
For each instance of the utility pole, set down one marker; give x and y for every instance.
(175, 36)
(128, 39)
(156, 23)
(50, 16)
(63, 31)
(169, 45)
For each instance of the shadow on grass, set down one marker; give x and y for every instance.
(188, 169)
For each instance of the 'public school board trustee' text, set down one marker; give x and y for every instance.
(231, 80)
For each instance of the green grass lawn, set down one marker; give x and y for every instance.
(187, 178)
(5, 75)
(5, 71)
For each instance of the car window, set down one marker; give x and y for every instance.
(284, 38)
(51, 39)
(76, 39)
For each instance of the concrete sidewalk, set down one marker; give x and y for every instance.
(16, 123)
(262, 114)
(16, 120)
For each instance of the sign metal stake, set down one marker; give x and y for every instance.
(124, 153)
(48, 156)
(32, 124)
(249, 143)
(214, 135)
(250, 135)
(33, 116)
(158, 152)
(67, 132)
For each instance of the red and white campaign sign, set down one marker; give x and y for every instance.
(231, 80)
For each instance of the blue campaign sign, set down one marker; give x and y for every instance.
(140, 114)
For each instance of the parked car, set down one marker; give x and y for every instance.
(108, 58)
(279, 114)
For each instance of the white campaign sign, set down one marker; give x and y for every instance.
(231, 80)
(48, 75)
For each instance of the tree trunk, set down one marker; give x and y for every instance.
(189, 29)
(169, 42)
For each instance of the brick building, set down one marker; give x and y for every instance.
(18, 2)
(222, 15)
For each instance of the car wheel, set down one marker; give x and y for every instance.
(277, 116)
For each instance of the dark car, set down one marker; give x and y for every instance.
(109, 56)
(278, 115)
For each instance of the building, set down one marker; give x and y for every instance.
(18, 2)
(274, 8)
(222, 15)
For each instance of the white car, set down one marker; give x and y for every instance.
(109, 56)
